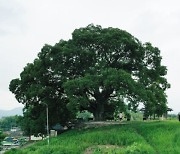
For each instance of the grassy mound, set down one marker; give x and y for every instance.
(132, 138)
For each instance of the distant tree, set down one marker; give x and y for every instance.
(2, 136)
(99, 70)
(6, 123)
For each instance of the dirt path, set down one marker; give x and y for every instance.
(140, 134)
(91, 149)
(27, 145)
(95, 124)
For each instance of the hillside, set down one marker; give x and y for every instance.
(130, 138)
(16, 111)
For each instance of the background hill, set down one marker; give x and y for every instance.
(15, 111)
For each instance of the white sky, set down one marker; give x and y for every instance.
(26, 25)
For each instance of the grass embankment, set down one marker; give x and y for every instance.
(161, 137)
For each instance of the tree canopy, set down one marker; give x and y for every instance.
(100, 70)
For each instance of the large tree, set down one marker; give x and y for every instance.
(99, 70)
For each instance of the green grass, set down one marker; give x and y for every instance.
(161, 137)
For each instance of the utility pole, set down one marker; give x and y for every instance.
(47, 118)
(47, 121)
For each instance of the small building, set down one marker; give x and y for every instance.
(166, 114)
(14, 129)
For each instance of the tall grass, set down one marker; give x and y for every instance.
(164, 137)
(131, 138)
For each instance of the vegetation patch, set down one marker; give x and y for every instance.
(149, 137)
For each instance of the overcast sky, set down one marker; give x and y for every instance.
(26, 25)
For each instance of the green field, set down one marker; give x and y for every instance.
(159, 137)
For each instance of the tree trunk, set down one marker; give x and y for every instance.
(98, 116)
(99, 112)
(101, 100)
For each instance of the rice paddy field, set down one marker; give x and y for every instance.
(150, 137)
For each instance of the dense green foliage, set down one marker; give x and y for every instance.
(102, 70)
(6, 123)
(162, 137)
(2, 136)
(84, 115)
